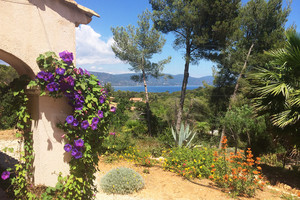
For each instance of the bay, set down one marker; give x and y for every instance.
(154, 89)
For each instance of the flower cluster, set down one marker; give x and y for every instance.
(76, 150)
(189, 163)
(240, 174)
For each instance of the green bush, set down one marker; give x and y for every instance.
(121, 180)
(117, 143)
(190, 163)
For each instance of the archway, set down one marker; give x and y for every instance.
(20, 66)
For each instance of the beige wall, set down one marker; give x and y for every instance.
(27, 29)
(50, 157)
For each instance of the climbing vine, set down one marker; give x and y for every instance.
(84, 128)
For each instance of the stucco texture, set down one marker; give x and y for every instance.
(27, 29)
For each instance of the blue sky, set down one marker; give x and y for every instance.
(94, 40)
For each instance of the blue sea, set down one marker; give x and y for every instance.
(170, 89)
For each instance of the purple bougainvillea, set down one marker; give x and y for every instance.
(68, 147)
(5, 175)
(100, 114)
(78, 155)
(94, 126)
(75, 122)
(102, 99)
(60, 71)
(79, 143)
(113, 109)
(85, 124)
(67, 57)
(51, 87)
(70, 119)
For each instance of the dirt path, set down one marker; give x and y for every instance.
(164, 185)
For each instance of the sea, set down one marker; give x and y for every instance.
(154, 89)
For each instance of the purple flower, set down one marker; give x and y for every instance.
(60, 71)
(79, 143)
(113, 109)
(102, 98)
(78, 155)
(5, 175)
(95, 120)
(75, 122)
(80, 71)
(41, 75)
(70, 80)
(112, 133)
(70, 119)
(103, 91)
(66, 56)
(67, 147)
(85, 124)
(94, 126)
(86, 72)
(48, 77)
(74, 151)
(78, 106)
(51, 87)
(100, 114)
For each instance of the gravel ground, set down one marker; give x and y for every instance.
(9, 155)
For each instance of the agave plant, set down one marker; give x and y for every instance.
(184, 137)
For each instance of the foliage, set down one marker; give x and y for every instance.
(190, 163)
(238, 173)
(201, 27)
(277, 85)
(139, 157)
(10, 103)
(184, 137)
(243, 126)
(137, 46)
(121, 181)
(117, 142)
(7, 75)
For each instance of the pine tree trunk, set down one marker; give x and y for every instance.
(184, 83)
(233, 96)
(147, 103)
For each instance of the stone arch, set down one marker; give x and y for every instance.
(20, 66)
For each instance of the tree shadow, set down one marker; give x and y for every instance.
(276, 175)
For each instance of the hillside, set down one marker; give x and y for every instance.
(124, 80)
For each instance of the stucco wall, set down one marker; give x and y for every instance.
(29, 28)
(50, 157)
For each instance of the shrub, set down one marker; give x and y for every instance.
(190, 163)
(139, 157)
(117, 142)
(122, 180)
(239, 173)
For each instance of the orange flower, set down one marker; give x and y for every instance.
(226, 176)
(258, 158)
(260, 176)
(298, 194)
(259, 168)
(216, 154)
(212, 166)
(234, 177)
(211, 177)
(255, 172)
(213, 170)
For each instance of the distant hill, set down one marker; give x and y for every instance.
(124, 80)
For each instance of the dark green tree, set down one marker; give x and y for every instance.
(201, 27)
(136, 46)
(261, 28)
